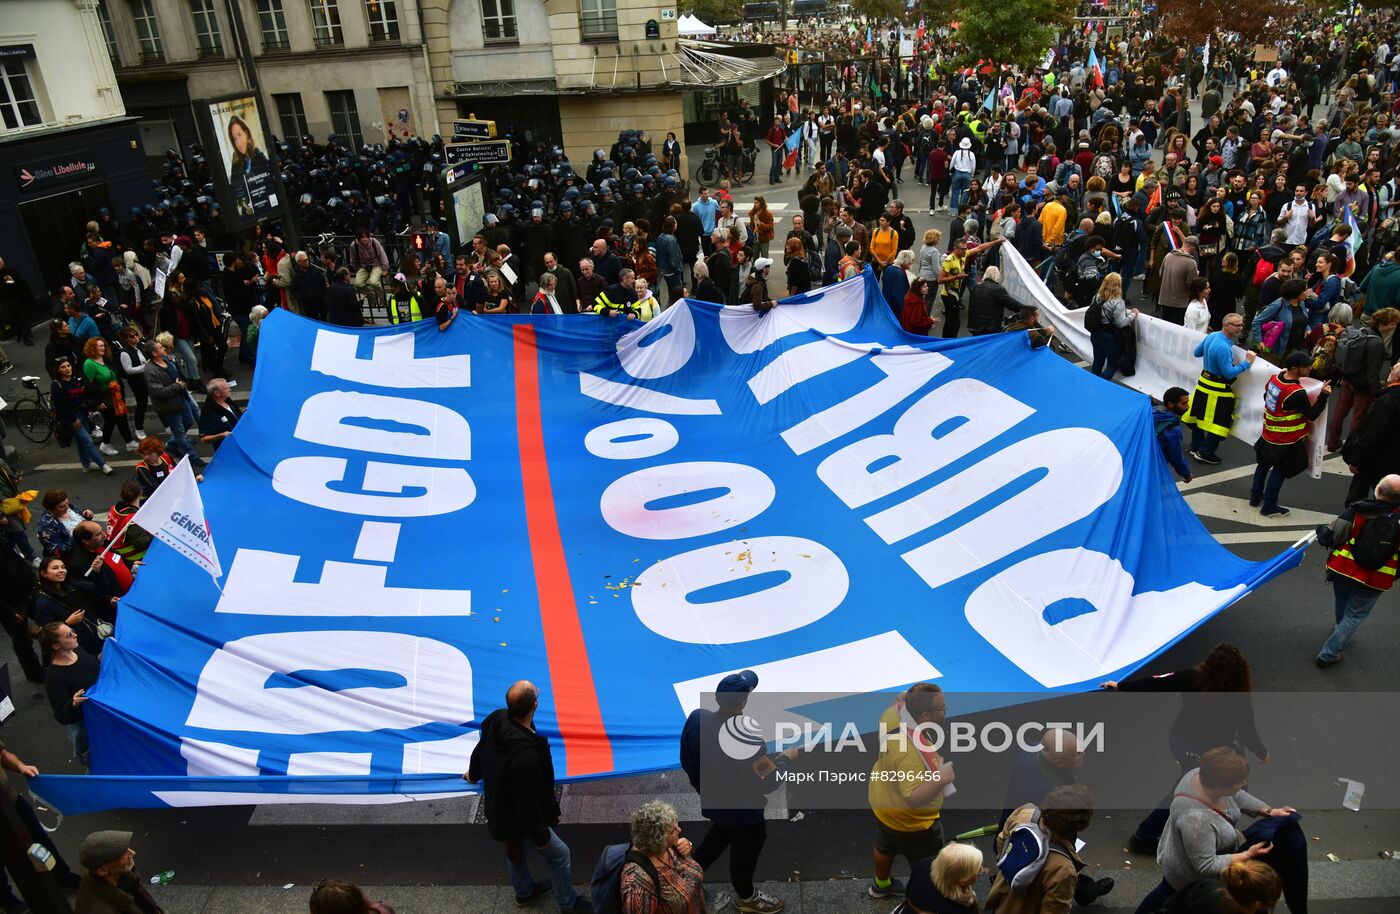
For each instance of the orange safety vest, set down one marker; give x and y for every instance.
(1282, 427)
(1343, 563)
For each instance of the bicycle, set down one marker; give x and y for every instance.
(712, 168)
(33, 416)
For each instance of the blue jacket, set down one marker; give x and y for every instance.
(1167, 426)
(1217, 355)
(1329, 292)
(669, 260)
(1278, 311)
(894, 283)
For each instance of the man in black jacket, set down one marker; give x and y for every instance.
(1373, 450)
(342, 306)
(513, 764)
(990, 304)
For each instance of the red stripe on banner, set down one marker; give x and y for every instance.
(586, 746)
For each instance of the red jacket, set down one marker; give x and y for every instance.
(915, 317)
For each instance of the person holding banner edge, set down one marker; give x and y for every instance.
(1213, 405)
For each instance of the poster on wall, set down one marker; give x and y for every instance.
(398, 114)
(242, 153)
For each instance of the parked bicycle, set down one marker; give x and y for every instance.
(712, 169)
(33, 416)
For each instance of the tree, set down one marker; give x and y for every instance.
(1011, 31)
(712, 11)
(879, 10)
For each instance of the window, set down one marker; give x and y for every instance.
(273, 22)
(206, 28)
(345, 119)
(292, 116)
(18, 105)
(498, 21)
(104, 16)
(598, 19)
(383, 16)
(143, 14)
(325, 23)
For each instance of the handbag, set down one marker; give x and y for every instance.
(1269, 332)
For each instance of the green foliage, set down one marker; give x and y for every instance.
(1011, 31)
(879, 10)
(712, 11)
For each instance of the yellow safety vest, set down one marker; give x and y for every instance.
(396, 309)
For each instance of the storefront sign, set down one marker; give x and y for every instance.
(17, 52)
(40, 176)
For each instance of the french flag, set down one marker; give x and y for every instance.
(1349, 218)
(1097, 79)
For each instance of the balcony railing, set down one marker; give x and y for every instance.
(329, 41)
(598, 27)
(276, 45)
(155, 56)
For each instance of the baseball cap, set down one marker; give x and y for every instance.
(743, 681)
(102, 847)
(762, 264)
(1216, 160)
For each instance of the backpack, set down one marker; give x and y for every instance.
(1324, 357)
(1104, 165)
(1124, 233)
(1377, 541)
(1263, 269)
(814, 266)
(1093, 318)
(1350, 353)
(605, 887)
(1024, 855)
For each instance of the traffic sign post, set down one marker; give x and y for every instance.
(473, 130)
(487, 152)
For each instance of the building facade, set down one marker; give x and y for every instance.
(576, 70)
(66, 143)
(351, 67)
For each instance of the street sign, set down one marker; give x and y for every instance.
(453, 174)
(488, 152)
(473, 130)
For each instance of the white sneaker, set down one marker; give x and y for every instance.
(931, 212)
(131, 445)
(106, 469)
(108, 450)
(89, 468)
(140, 435)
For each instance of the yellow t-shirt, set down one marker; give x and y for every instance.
(897, 773)
(884, 245)
(648, 308)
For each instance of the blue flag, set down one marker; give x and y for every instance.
(623, 513)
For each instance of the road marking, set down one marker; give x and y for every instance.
(79, 466)
(1198, 482)
(1226, 507)
(1261, 536)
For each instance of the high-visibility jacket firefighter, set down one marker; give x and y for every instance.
(1283, 424)
(404, 310)
(1213, 401)
(1342, 562)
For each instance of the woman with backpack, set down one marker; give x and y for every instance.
(1107, 317)
(659, 876)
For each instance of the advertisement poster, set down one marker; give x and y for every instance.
(242, 153)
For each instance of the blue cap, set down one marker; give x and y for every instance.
(745, 681)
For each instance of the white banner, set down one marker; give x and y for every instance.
(1164, 350)
(174, 514)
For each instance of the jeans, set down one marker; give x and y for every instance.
(1353, 604)
(561, 871)
(743, 843)
(189, 364)
(1348, 400)
(775, 170)
(179, 424)
(77, 735)
(1205, 443)
(369, 282)
(1268, 483)
(1106, 352)
(962, 180)
(15, 533)
(88, 454)
(1156, 898)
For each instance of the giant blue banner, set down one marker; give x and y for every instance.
(411, 520)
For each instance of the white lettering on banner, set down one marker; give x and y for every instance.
(988, 413)
(905, 372)
(267, 683)
(1084, 472)
(639, 398)
(209, 759)
(660, 347)
(816, 582)
(740, 493)
(1009, 610)
(392, 363)
(632, 439)
(302, 764)
(802, 364)
(835, 309)
(308, 480)
(438, 433)
(262, 584)
(440, 756)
